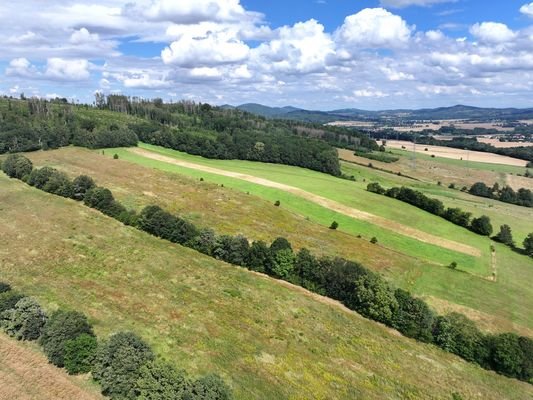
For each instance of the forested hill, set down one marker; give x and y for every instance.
(200, 129)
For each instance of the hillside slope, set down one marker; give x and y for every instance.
(238, 209)
(270, 341)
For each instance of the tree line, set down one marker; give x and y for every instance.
(522, 197)
(481, 225)
(468, 143)
(123, 364)
(355, 286)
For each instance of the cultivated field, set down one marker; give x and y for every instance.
(456, 154)
(25, 374)
(497, 143)
(268, 340)
(429, 169)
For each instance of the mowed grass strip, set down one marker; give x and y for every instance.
(25, 374)
(268, 340)
(504, 304)
(345, 193)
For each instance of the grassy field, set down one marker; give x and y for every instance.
(346, 193)
(268, 339)
(445, 170)
(25, 374)
(231, 210)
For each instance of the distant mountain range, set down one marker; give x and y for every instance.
(349, 114)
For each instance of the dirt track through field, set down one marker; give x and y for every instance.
(322, 201)
(27, 375)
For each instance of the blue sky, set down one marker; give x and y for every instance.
(371, 54)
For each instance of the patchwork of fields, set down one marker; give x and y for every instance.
(243, 207)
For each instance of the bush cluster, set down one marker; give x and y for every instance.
(418, 199)
(523, 197)
(481, 225)
(349, 282)
(124, 365)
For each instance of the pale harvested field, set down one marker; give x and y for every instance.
(25, 374)
(457, 154)
(322, 201)
(497, 143)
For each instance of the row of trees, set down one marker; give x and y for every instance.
(124, 365)
(523, 197)
(481, 225)
(471, 143)
(349, 282)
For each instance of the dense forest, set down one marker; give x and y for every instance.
(196, 128)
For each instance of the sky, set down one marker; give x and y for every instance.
(313, 54)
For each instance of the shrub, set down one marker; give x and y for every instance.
(102, 199)
(373, 298)
(118, 364)
(4, 287)
(39, 177)
(8, 300)
(260, 258)
(280, 243)
(283, 265)
(210, 387)
(453, 265)
(277, 203)
(25, 321)
(334, 225)
(481, 225)
(156, 221)
(161, 381)
(413, 317)
(459, 335)
(61, 327)
(374, 240)
(80, 353)
(528, 244)
(375, 187)
(81, 185)
(17, 166)
(505, 236)
(506, 356)
(115, 156)
(58, 183)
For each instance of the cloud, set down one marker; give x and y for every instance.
(527, 9)
(492, 32)
(303, 47)
(214, 48)
(189, 11)
(373, 28)
(83, 36)
(68, 70)
(21, 67)
(408, 3)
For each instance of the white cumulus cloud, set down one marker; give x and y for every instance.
(492, 32)
(215, 48)
(527, 9)
(374, 28)
(69, 70)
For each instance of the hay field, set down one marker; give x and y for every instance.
(25, 374)
(457, 154)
